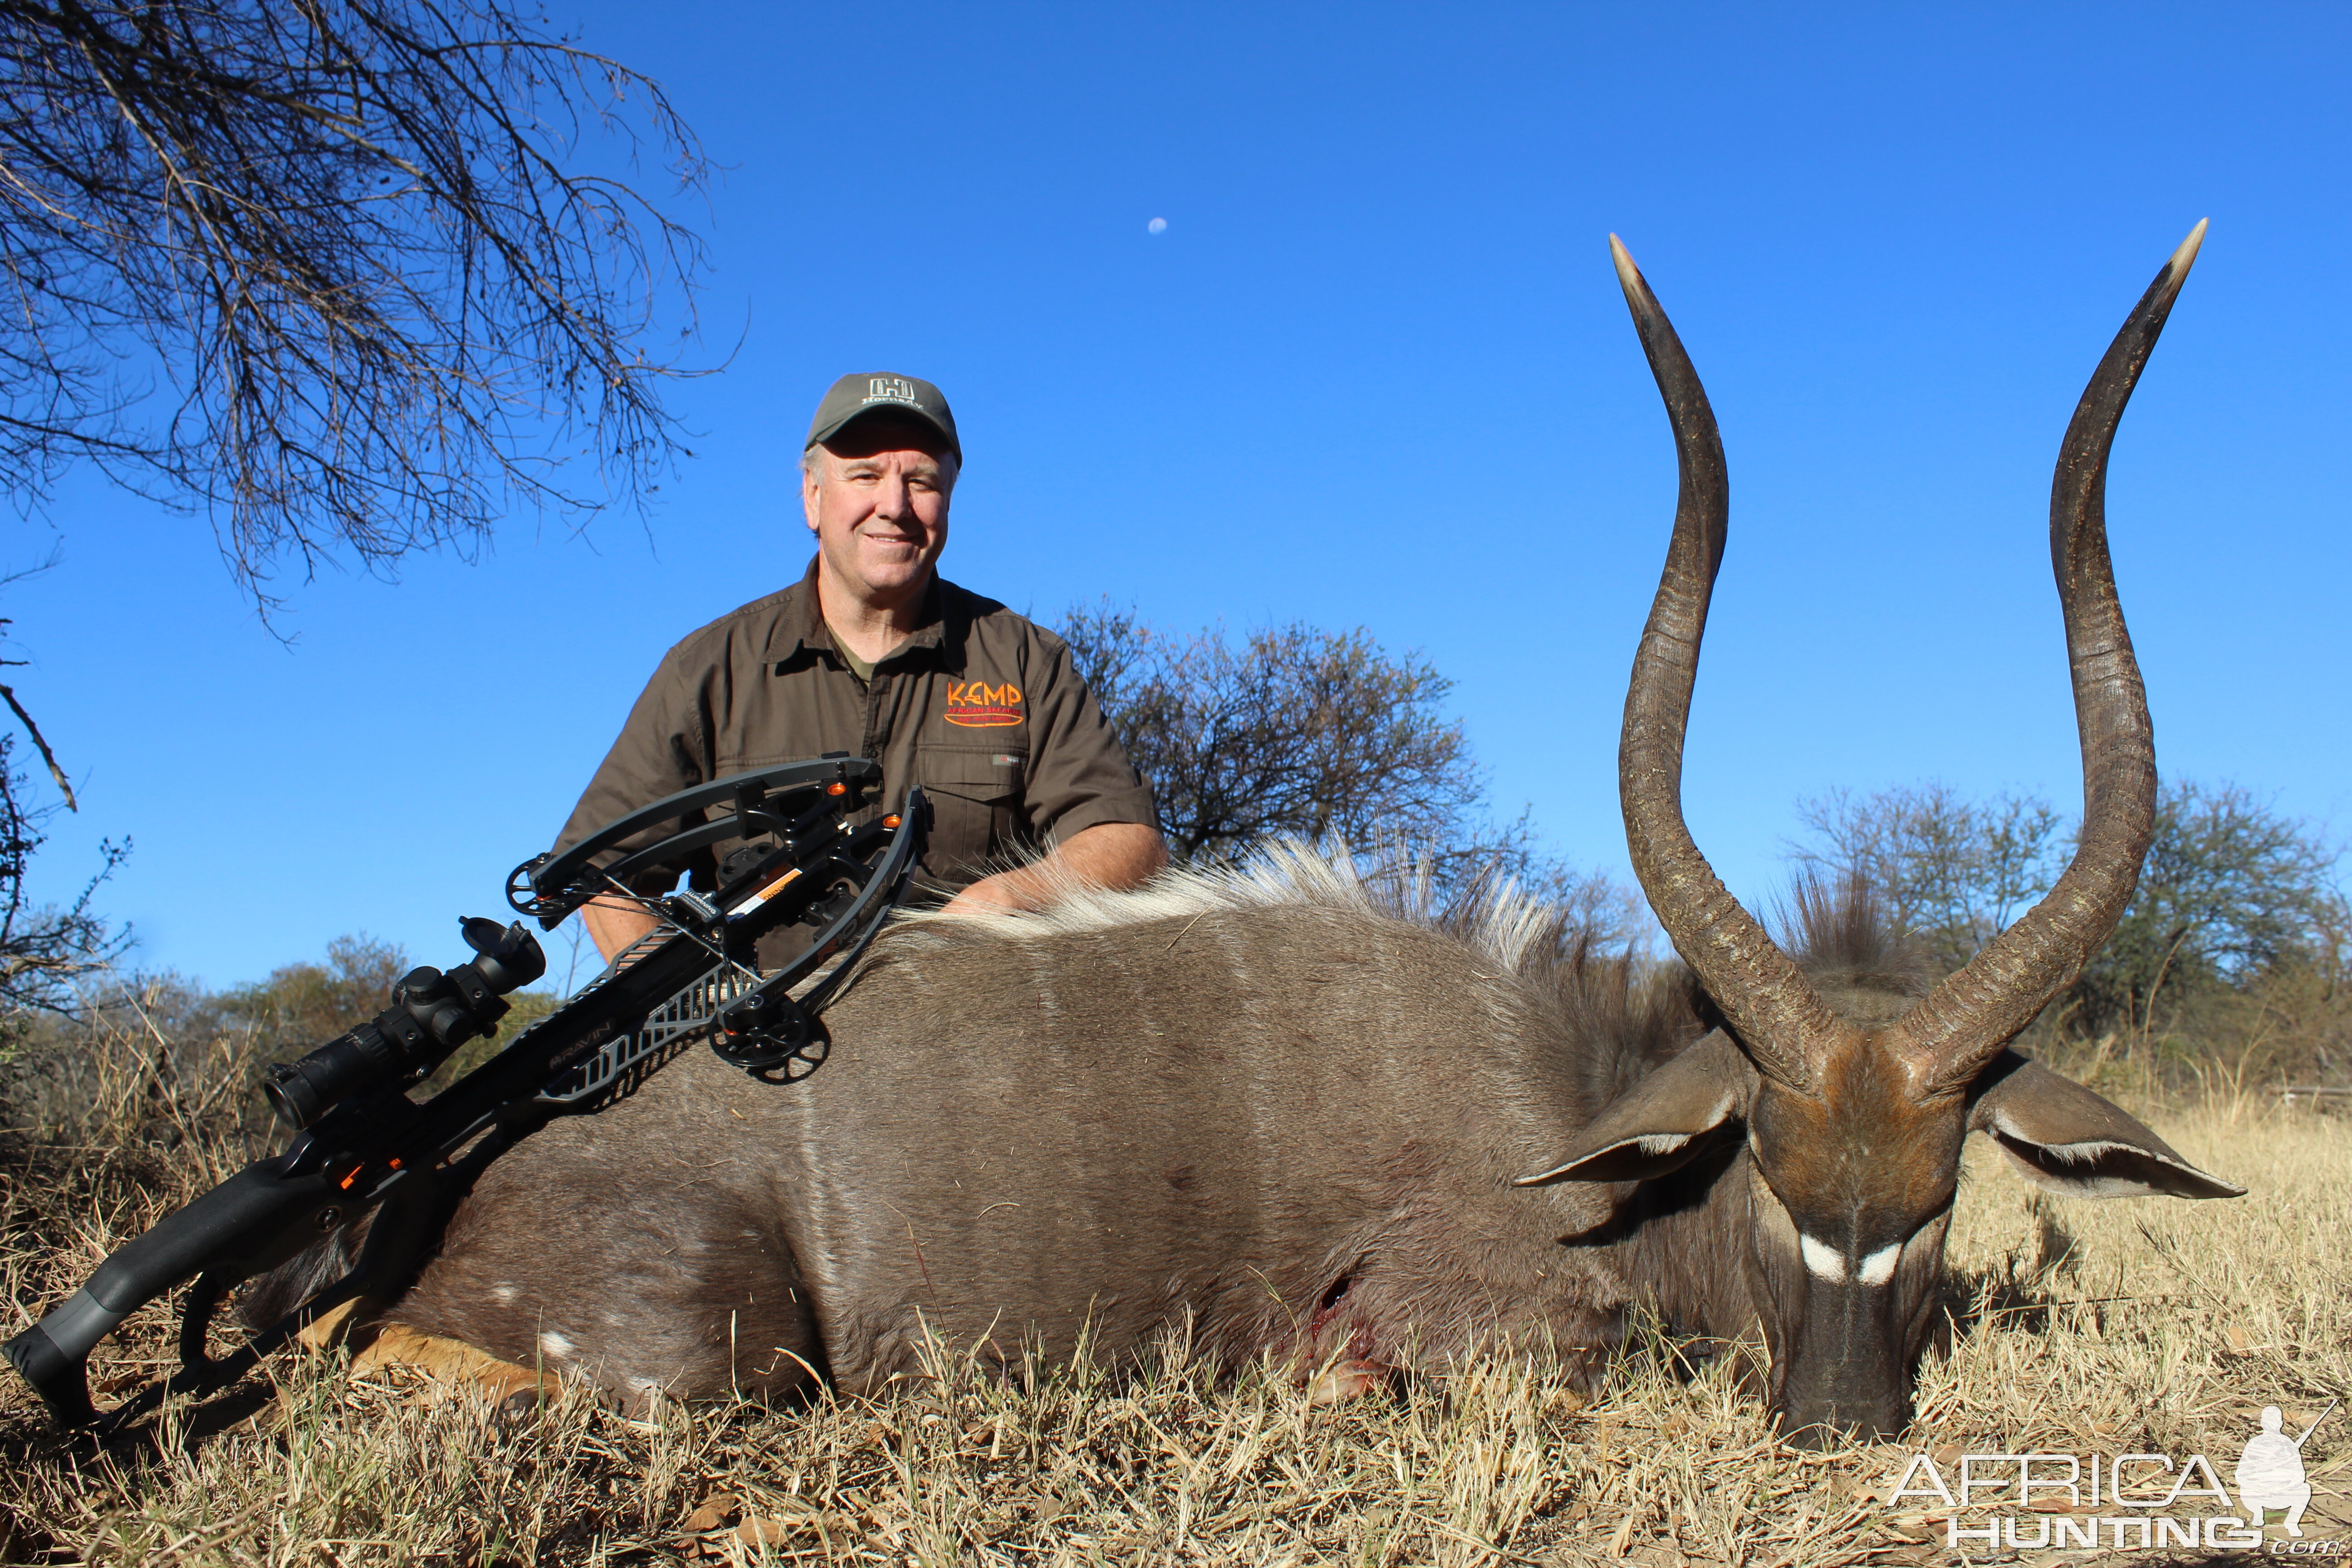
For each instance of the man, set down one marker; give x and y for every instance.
(874, 653)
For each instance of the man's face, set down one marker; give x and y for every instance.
(876, 499)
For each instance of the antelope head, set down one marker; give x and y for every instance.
(1853, 1124)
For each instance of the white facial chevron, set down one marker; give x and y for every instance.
(1827, 1263)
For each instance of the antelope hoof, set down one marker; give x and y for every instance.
(514, 1392)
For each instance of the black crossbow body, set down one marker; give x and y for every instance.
(362, 1144)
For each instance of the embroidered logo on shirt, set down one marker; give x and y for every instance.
(977, 705)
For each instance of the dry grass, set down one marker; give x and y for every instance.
(2149, 1326)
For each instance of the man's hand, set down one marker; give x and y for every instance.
(1107, 854)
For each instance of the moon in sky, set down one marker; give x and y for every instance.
(1157, 225)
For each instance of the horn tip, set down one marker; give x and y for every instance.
(2186, 256)
(1628, 274)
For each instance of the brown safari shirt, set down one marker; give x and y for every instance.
(978, 706)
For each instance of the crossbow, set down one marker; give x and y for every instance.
(363, 1145)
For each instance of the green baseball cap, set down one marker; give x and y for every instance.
(853, 396)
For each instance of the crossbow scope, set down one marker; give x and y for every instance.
(432, 1014)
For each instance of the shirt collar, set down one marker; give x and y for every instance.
(801, 632)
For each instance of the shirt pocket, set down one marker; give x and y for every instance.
(975, 809)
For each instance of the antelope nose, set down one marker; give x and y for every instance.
(1832, 1423)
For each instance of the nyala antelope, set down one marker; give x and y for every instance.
(1274, 1113)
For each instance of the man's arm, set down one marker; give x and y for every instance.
(1077, 773)
(614, 923)
(663, 748)
(1107, 854)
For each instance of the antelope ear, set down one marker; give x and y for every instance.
(1661, 1123)
(2077, 1145)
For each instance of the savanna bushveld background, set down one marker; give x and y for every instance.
(2143, 1327)
(1297, 395)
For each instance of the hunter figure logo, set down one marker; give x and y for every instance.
(2269, 1472)
(2133, 1502)
(977, 705)
(890, 389)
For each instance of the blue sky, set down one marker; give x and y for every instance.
(1375, 372)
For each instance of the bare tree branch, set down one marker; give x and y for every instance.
(331, 271)
(43, 948)
(1324, 736)
(65, 786)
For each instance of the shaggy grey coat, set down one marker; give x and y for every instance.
(1256, 1105)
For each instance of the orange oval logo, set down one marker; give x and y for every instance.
(978, 705)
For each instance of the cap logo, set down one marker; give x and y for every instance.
(892, 389)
